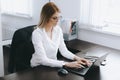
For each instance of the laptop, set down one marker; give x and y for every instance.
(100, 58)
(95, 61)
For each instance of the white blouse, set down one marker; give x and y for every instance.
(46, 48)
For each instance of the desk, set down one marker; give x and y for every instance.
(48, 73)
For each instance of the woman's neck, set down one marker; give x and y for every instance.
(48, 29)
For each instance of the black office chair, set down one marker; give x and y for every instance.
(21, 49)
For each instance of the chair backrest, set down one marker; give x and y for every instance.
(21, 49)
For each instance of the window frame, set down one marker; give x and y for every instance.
(15, 13)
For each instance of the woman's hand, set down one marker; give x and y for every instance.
(82, 61)
(78, 63)
(74, 64)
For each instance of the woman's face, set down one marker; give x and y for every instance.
(54, 19)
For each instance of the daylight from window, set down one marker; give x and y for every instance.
(102, 13)
(17, 7)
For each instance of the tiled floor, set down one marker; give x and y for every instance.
(108, 72)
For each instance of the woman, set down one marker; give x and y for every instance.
(48, 38)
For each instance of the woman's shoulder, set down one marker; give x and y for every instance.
(37, 31)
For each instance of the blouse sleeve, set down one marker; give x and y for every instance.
(63, 49)
(39, 57)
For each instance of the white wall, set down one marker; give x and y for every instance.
(13, 22)
(69, 9)
(18, 22)
(101, 38)
(1, 50)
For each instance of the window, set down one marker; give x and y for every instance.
(17, 7)
(101, 12)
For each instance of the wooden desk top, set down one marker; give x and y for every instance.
(48, 73)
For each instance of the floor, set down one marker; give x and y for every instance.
(108, 72)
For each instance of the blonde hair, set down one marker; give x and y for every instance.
(47, 11)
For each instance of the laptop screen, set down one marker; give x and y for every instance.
(99, 57)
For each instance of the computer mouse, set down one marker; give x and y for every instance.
(62, 71)
(103, 63)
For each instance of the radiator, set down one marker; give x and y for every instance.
(7, 32)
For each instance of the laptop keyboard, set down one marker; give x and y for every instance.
(81, 71)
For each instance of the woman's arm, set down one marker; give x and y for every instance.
(63, 49)
(78, 62)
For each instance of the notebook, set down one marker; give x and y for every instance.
(95, 61)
